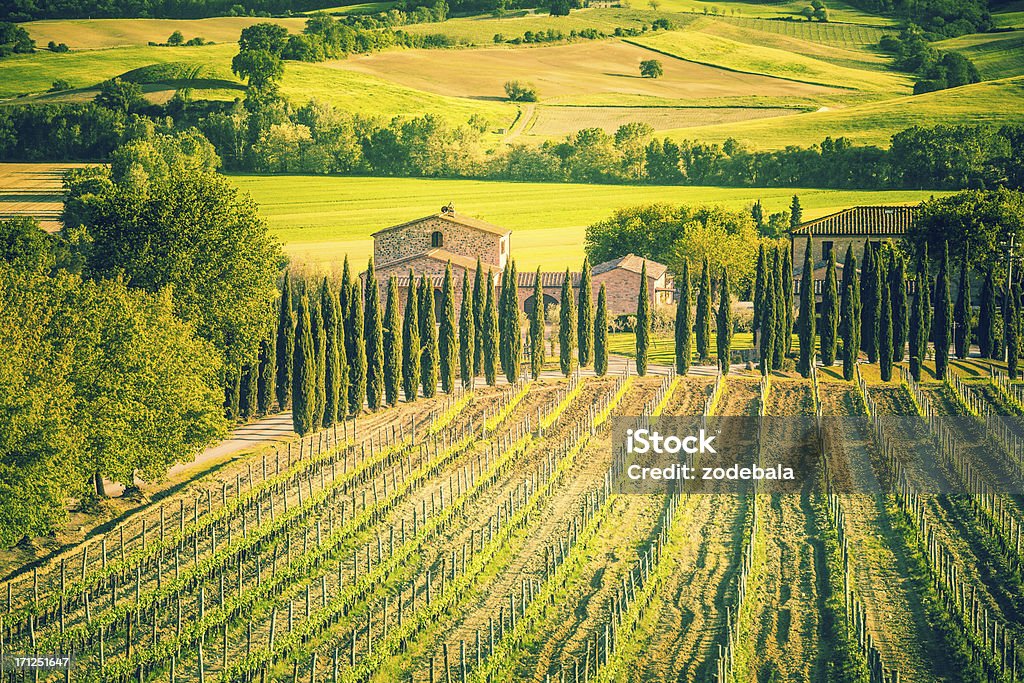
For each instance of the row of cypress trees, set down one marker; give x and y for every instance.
(688, 325)
(336, 349)
(871, 314)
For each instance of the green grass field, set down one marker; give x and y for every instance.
(320, 219)
(663, 346)
(997, 55)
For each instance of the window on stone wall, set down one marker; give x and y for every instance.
(826, 249)
(437, 239)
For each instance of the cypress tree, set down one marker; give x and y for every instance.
(392, 344)
(759, 287)
(374, 333)
(829, 313)
(344, 291)
(515, 331)
(285, 344)
(267, 374)
(898, 296)
(704, 313)
(942, 322)
(356, 351)
(303, 372)
(428, 325)
(724, 331)
(504, 319)
(446, 344)
(537, 328)
(479, 297)
(870, 302)
(928, 292)
(781, 334)
(601, 334)
(467, 332)
(796, 214)
(1010, 314)
(684, 320)
(332, 363)
(320, 354)
(233, 381)
(567, 328)
(916, 335)
(885, 349)
(847, 319)
(962, 314)
(847, 314)
(411, 342)
(987, 318)
(490, 342)
(247, 397)
(805, 324)
(768, 319)
(787, 298)
(585, 315)
(643, 324)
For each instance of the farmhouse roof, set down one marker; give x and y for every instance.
(861, 220)
(452, 216)
(440, 255)
(547, 279)
(632, 263)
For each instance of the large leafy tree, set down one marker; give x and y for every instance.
(684, 320)
(601, 334)
(392, 344)
(723, 336)
(194, 232)
(99, 381)
(567, 327)
(446, 341)
(585, 316)
(807, 315)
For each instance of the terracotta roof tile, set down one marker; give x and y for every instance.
(633, 263)
(453, 217)
(861, 220)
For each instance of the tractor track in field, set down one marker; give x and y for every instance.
(895, 614)
(680, 644)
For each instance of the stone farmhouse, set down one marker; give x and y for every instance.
(426, 245)
(837, 231)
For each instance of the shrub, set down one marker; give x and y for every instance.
(60, 85)
(520, 92)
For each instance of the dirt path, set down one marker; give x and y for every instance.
(527, 110)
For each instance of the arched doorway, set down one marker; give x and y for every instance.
(531, 301)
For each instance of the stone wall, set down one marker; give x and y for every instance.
(416, 238)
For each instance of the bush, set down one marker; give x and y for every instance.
(57, 47)
(60, 85)
(520, 92)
